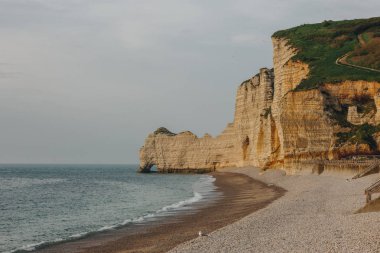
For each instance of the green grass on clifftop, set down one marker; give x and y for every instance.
(321, 44)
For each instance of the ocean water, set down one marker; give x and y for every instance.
(45, 204)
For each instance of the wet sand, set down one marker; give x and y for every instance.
(241, 195)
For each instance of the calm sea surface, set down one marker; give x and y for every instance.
(44, 204)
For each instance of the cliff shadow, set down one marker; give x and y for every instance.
(245, 146)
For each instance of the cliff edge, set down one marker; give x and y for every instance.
(320, 101)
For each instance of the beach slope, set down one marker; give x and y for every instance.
(317, 214)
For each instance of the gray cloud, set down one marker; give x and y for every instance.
(94, 77)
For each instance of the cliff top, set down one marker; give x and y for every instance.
(337, 50)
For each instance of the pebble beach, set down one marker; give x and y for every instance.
(316, 214)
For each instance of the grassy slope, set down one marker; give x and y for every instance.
(321, 44)
(368, 53)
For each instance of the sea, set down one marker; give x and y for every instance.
(42, 205)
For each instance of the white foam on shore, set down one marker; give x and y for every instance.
(197, 197)
(34, 246)
(79, 235)
(28, 247)
(202, 188)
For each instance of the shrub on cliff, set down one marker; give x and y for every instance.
(163, 130)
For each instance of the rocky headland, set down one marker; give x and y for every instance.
(309, 107)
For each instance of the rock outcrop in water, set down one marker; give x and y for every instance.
(277, 125)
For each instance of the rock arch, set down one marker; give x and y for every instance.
(147, 168)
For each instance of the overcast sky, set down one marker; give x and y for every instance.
(84, 81)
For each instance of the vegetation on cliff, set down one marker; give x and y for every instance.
(163, 130)
(362, 134)
(353, 134)
(367, 54)
(320, 45)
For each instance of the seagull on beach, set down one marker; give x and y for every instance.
(200, 233)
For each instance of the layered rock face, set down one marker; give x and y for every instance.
(248, 139)
(274, 125)
(354, 93)
(304, 131)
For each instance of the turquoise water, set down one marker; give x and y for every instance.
(44, 204)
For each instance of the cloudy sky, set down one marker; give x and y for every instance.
(84, 81)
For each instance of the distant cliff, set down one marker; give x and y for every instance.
(310, 106)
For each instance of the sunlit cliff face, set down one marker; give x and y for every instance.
(274, 125)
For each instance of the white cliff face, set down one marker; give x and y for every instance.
(304, 130)
(237, 145)
(274, 125)
(288, 75)
(185, 151)
(307, 131)
(252, 121)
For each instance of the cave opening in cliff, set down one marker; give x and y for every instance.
(153, 169)
(149, 168)
(245, 148)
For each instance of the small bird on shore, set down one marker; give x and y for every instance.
(200, 233)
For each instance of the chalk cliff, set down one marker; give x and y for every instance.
(242, 142)
(276, 124)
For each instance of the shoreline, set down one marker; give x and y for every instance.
(242, 195)
(318, 213)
